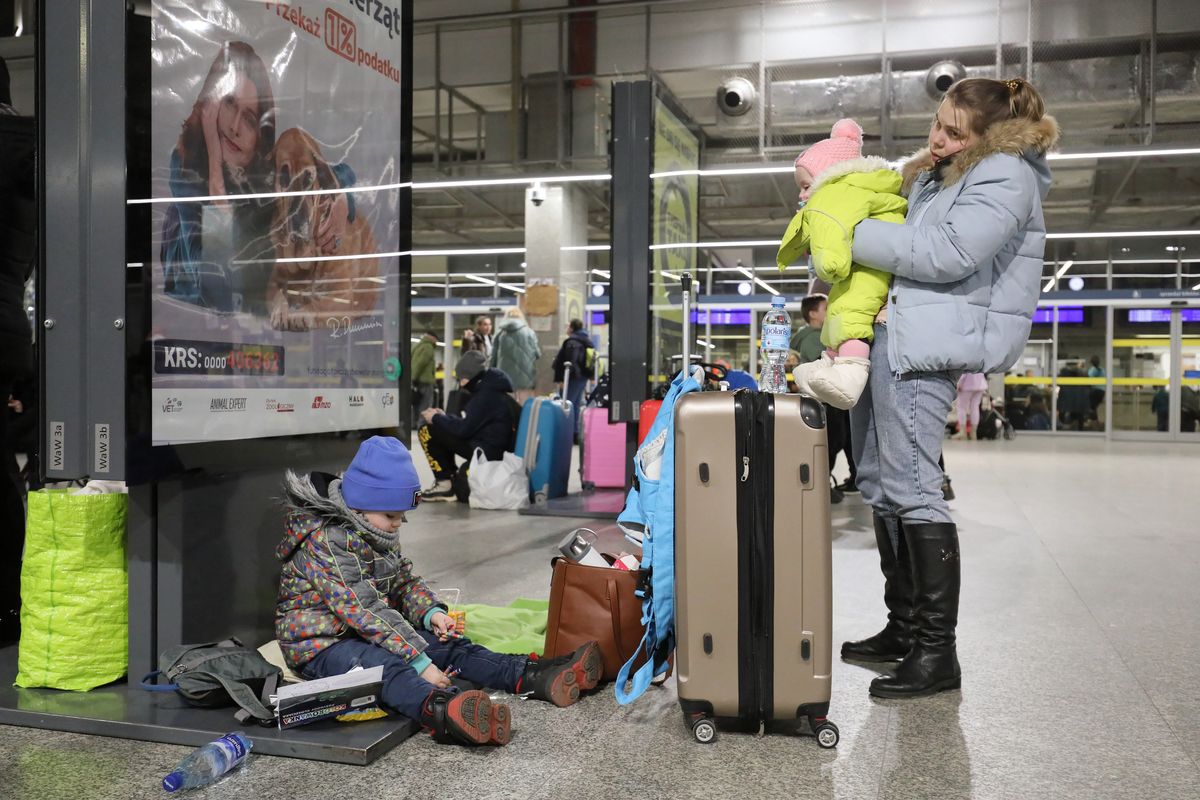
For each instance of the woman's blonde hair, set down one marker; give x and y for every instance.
(989, 101)
(514, 312)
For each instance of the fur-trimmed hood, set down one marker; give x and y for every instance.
(314, 500)
(863, 164)
(1018, 137)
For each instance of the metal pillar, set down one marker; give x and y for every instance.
(81, 297)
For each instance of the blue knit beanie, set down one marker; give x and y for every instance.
(381, 477)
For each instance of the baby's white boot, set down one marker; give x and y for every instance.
(841, 383)
(803, 374)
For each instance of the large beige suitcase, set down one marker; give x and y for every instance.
(753, 563)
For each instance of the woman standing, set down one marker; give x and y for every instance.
(967, 265)
(515, 351)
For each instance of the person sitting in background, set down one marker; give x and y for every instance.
(348, 598)
(490, 424)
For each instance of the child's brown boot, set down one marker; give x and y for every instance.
(466, 718)
(560, 680)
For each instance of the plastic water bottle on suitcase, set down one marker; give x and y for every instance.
(776, 335)
(210, 762)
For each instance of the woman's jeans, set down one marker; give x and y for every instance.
(896, 432)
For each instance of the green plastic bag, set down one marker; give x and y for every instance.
(74, 591)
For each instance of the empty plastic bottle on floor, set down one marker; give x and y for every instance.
(210, 762)
(776, 334)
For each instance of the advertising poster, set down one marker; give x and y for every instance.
(675, 212)
(276, 138)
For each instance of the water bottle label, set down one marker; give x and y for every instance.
(234, 745)
(775, 337)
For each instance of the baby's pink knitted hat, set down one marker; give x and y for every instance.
(843, 144)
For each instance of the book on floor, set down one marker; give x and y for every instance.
(312, 701)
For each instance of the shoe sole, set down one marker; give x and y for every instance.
(940, 686)
(877, 659)
(438, 499)
(480, 720)
(583, 675)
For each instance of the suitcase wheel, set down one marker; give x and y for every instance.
(827, 735)
(705, 730)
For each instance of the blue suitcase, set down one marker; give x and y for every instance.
(544, 440)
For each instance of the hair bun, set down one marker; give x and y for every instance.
(847, 129)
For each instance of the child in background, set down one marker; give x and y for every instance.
(348, 598)
(838, 189)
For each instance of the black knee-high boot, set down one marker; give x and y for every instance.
(932, 664)
(895, 640)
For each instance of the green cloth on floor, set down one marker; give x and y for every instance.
(519, 627)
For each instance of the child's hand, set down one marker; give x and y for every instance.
(444, 625)
(436, 677)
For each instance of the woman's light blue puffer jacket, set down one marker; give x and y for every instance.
(968, 260)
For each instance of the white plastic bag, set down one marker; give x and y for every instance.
(499, 484)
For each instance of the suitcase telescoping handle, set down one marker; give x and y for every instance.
(685, 284)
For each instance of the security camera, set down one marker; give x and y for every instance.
(735, 96)
(537, 193)
(941, 76)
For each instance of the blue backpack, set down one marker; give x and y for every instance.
(649, 520)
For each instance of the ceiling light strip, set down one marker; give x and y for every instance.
(421, 186)
(1120, 234)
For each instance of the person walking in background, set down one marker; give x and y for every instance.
(515, 352)
(424, 373)
(807, 342)
(575, 364)
(967, 266)
(971, 386)
(1096, 395)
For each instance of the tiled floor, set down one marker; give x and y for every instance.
(1079, 640)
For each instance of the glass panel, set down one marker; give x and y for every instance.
(1080, 367)
(1189, 370)
(1027, 387)
(1141, 369)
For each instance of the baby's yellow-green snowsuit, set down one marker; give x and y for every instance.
(843, 196)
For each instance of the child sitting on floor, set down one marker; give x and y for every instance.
(348, 598)
(839, 188)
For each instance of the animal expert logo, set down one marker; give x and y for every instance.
(223, 404)
(320, 402)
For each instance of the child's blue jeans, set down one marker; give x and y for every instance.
(403, 689)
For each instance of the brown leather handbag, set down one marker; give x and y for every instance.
(594, 603)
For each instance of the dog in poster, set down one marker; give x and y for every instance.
(300, 292)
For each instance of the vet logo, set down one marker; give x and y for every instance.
(172, 405)
(320, 402)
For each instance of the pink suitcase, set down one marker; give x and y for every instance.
(603, 450)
